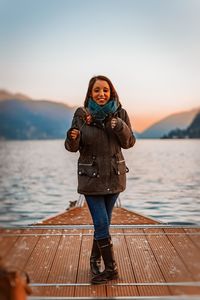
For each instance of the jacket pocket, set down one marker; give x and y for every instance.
(119, 165)
(88, 169)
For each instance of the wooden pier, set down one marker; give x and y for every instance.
(155, 260)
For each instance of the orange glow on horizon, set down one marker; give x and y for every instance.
(141, 122)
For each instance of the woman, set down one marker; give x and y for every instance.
(99, 130)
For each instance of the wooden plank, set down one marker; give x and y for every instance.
(84, 275)
(73, 216)
(65, 265)
(122, 215)
(188, 252)
(194, 238)
(81, 216)
(143, 256)
(126, 274)
(145, 266)
(18, 255)
(170, 262)
(7, 242)
(52, 291)
(41, 259)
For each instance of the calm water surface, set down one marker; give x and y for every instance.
(38, 179)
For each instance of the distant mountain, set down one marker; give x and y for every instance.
(23, 118)
(4, 94)
(192, 131)
(178, 120)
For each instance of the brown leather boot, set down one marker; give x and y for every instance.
(110, 272)
(95, 259)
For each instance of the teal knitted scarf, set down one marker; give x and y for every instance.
(101, 112)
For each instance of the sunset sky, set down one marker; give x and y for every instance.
(150, 49)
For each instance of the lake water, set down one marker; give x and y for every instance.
(38, 179)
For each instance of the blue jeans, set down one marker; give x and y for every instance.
(101, 207)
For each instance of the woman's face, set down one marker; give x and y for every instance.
(101, 92)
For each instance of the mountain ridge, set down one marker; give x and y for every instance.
(191, 132)
(25, 118)
(6, 95)
(176, 120)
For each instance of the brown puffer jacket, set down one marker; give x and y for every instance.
(101, 166)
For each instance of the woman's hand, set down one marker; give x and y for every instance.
(74, 133)
(113, 122)
(88, 119)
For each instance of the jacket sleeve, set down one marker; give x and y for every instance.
(124, 132)
(77, 123)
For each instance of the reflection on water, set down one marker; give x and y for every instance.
(38, 179)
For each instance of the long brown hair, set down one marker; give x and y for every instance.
(113, 93)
